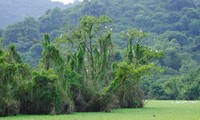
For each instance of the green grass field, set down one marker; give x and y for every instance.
(153, 110)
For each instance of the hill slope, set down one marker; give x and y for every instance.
(13, 11)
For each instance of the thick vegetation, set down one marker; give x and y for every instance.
(84, 77)
(101, 62)
(13, 11)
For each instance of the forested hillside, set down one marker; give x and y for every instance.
(13, 11)
(92, 52)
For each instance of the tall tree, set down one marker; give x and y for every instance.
(92, 45)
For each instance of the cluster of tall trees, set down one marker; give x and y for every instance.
(94, 55)
(82, 75)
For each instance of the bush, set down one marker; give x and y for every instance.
(45, 96)
(102, 102)
(9, 106)
(131, 96)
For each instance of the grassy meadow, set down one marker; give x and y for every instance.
(153, 110)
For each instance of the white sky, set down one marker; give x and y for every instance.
(64, 1)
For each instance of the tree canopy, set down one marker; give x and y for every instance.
(102, 54)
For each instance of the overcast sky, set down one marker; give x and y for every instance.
(65, 1)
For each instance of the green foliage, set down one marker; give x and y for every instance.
(131, 35)
(172, 88)
(14, 11)
(9, 104)
(51, 54)
(194, 27)
(178, 5)
(93, 9)
(14, 55)
(43, 93)
(26, 31)
(91, 57)
(128, 73)
(84, 59)
(157, 91)
(49, 19)
(170, 19)
(92, 48)
(191, 89)
(12, 74)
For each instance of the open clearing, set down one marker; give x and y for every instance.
(153, 110)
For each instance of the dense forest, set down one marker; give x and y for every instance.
(13, 11)
(99, 55)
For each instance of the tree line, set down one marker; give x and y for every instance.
(172, 26)
(82, 75)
